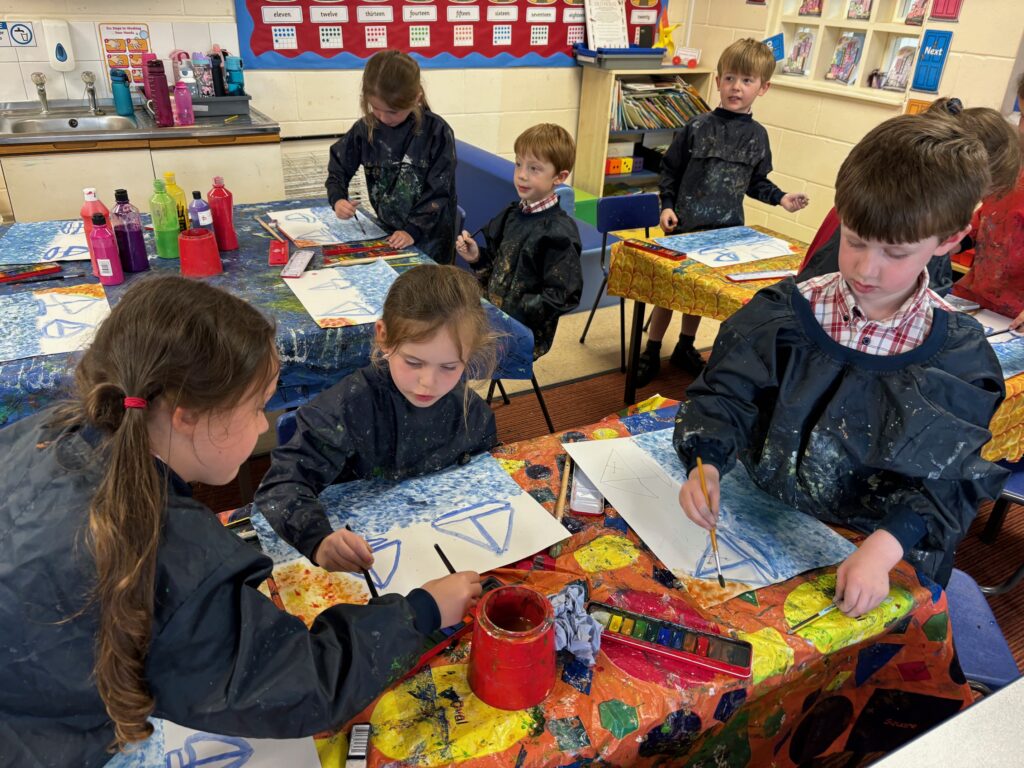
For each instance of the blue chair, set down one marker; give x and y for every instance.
(614, 214)
(285, 427)
(984, 655)
(1013, 493)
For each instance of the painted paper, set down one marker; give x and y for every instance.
(727, 247)
(761, 541)
(42, 241)
(310, 227)
(175, 746)
(48, 321)
(992, 322)
(339, 296)
(1011, 355)
(478, 515)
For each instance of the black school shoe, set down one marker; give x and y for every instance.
(686, 357)
(647, 367)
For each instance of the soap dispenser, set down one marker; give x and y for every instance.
(58, 45)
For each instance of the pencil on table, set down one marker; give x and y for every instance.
(714, 531)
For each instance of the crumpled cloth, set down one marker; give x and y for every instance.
(575, 630)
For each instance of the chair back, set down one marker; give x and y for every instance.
(628, 212)
(285, 427)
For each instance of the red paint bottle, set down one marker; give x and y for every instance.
(512, 660)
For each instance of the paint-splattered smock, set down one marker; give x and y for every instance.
(996, 280)
(713, 161)
(223, 658)
(363, 427)
(851, 438)
(410, 177)
(530, 267)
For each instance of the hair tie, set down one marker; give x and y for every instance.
(954, 106)
(135, 402)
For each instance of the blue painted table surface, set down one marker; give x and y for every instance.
(312, 358)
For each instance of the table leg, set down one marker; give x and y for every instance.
(635, 338)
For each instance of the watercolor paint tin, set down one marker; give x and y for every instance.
(646, 633)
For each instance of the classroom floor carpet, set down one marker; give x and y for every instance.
(590, 399)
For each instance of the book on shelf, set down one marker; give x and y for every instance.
(916, 12)
(845, 58)
(799, 53)
(859, 10)
(810, 8)
(669, 104)
(900, 68)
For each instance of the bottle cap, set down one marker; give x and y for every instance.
(218, 181)
(159, 186)
(121, 195)
(169, 176)
(197, 195)
(98, 220)
(90, 193)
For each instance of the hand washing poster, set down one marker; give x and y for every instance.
(455, 34)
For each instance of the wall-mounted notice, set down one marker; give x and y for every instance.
(456, 34)
(123, 45)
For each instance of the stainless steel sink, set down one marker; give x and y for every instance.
(54, 123)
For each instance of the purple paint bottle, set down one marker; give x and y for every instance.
(199, 212)
(131, 245)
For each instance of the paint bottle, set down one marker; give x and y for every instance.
(131, 245)
(165, 221)
(122, 93)
(199, 213)
(105, 247)
(178, 194)
(159, 96)
(183, 114)
(222, 206)
(91, 205)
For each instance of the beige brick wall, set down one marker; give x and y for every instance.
(811, 133)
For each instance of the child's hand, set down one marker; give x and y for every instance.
(399, 239)
(862, 581)
(794, 201)
(669, 221)
(691, 497)
(1018, 321)
(343, 551)
(455, 595)
(467, 248)
(344, 209)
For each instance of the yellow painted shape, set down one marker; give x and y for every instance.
(435, 719)
(606, 553)
(605, 433)
(512, 465)
(772, 656)
(838, 680)
(333, 750)
(835, 631)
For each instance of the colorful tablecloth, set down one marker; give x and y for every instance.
(845, 693)
(312, 358)
(694, 288)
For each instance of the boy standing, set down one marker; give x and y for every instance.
(530, 266)
(713, 161)
(860, 397)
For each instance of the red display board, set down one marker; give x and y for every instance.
(342, 34)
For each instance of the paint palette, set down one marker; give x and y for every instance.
(690, 646)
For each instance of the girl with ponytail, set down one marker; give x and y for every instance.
(123, 598)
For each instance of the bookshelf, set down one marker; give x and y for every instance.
(597, 100)
(887, 44)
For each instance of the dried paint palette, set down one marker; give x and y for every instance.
(690, 646)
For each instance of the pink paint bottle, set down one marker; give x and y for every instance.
(104, 246)
(91, 205)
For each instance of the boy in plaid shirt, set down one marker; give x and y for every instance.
(860, 397)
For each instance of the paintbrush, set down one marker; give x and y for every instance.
(368, 259)
(44, 278)
(445, 560)
(269, 229)
(562, 493)
(360, 223)
(366, 574)
(823, 612)
(714, 530)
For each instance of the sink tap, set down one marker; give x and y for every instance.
(90, 92)
(40, 80)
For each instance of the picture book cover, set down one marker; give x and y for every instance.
(859, 10)
(799, 57)
(845, 58)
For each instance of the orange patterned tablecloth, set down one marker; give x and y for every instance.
(694, 288)
(842, 694)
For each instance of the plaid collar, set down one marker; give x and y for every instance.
(541, 205)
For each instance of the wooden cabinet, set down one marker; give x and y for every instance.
(46, 181)
(597, 96)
